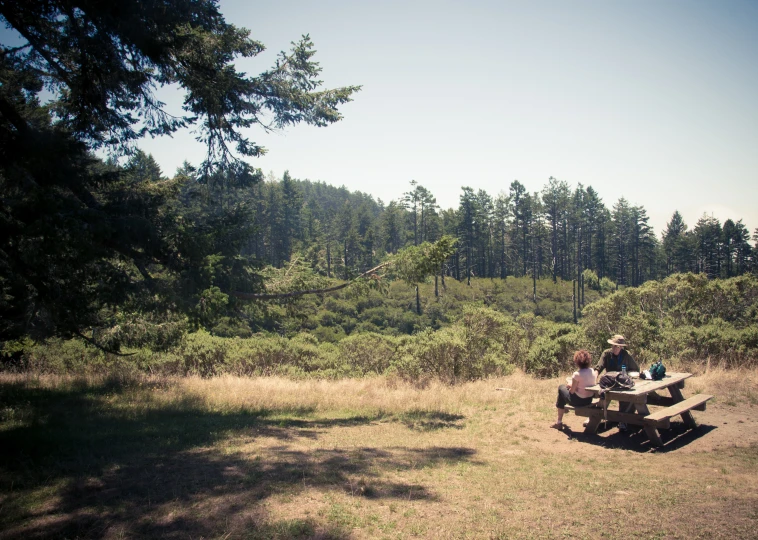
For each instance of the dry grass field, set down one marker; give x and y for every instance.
(371, 458)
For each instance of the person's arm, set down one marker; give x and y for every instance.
(600, 366)
(574, 383)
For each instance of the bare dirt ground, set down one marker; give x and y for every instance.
(719, 426)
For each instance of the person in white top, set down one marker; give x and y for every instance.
(574, 392)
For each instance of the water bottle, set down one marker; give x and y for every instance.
(623, 369)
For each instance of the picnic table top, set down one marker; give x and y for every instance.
(643, 386)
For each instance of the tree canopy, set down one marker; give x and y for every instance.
(85, 242)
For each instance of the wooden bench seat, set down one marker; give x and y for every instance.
(596, 404)
(661, 418)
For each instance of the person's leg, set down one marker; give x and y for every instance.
(625, 407)
(577, 401)
(564, 397)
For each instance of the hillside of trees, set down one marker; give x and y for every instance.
(557, 232)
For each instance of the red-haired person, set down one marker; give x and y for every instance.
(576, 395)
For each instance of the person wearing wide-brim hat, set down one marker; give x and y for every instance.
(611, 360)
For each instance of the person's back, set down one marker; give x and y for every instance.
(584, 377)
(575, 394)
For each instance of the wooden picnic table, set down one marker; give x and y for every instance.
(642, 395)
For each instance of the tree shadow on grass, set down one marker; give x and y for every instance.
(74, 466)
(635, 439)
(421, 420)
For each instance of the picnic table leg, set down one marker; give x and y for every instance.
(653, 435)
(593, 424)
(687, 418)
(650, 431)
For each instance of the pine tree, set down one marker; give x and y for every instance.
(555, 200)
(707, 234)
(675, 245)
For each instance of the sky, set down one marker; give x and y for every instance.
(654, 101)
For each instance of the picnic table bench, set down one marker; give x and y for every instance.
(642, 395)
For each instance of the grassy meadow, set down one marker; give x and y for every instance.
(377, 457)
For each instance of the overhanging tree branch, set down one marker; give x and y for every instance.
(292, 294)
(98, 346)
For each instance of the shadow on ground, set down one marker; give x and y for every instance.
(72, 467)
(635, 439)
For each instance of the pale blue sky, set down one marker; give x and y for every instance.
(655, 101)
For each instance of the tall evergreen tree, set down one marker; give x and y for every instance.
(485, 209)
(622, 232)
(502, 217)
(675, 245)
(522, 218)
(468, 224)
(555, 201)
(707, 234)
(291, 205)
(392, 227)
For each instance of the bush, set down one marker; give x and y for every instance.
(591, 281)
(433, 354)
(607, 286)
(367, 353)
(684, 316)
(65, 356)
(553, 350)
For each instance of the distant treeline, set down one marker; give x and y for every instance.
(555, 233)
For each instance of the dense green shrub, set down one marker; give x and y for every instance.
(462, 335)
(607, 286)
(65, 356)
(437, 354)
(591, 281)
(553, 350)
(472, 348)
(683, 316)
(367, 353)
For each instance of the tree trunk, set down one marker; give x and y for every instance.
(573, 297)
(468, 265)
(345, 256)
(534, 274)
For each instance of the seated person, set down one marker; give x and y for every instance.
(575, 394)
(611, 360)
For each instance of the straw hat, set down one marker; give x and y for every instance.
(618, 340)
